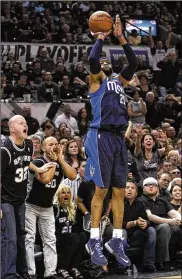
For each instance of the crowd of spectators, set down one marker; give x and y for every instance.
(154, 179)
(46, 80)
(67, 22)
(153, 136)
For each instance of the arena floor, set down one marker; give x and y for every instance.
(158, 275)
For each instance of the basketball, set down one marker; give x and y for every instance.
(100, 22)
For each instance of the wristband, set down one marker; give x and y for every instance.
(120, 36)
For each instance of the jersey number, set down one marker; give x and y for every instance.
(51, 184)
(22, 174)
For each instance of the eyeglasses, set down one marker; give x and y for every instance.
(175, 172)
(166, 180)
(150, 185)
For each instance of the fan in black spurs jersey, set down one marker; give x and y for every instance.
(16, 155)
(39, 205)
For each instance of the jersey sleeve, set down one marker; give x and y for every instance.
(5, 159)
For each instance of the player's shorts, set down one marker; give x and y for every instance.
(107, 163)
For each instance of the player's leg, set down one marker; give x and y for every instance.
(116, 245)
(99, 164)
(8, 241)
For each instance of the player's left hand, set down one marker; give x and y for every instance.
(117, 27)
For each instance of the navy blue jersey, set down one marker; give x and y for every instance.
(15, 161)
(42, 194)
(109, 105)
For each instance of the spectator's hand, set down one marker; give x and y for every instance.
(45, 167)
(60, 152)
(174, 221)
(105, 218)
(139, 131)
(53, 155)
(169, 28)
(87, 222)
(141, 223)
(117, 27)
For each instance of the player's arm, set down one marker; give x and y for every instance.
(128, 72)
(96, 75)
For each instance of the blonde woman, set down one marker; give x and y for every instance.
(70, 245)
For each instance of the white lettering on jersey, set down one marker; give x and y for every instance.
(22, 159)
(113, 86)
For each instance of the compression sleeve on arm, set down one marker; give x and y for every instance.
(128, 72)
(95, 53)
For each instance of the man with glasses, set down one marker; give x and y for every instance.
(175, 173)
(164, 219)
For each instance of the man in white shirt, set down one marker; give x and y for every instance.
(66, 117)
(74, 184)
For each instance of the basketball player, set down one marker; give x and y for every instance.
(39, 206)
(16, 154)
(105, 144)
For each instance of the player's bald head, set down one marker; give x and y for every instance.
(13, 120)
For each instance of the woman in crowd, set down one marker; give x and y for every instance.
(176, 197)
(70, 246)
(66, 132)
(48, 128)
(173, 157)
(148, 159)
(57, 134)
(137, 109)
(73, 154)
(83, 121)
(144, 87)
(61, 127)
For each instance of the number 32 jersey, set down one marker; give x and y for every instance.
(42, 194)
(15, 161)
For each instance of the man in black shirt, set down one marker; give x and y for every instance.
(16, 154)
(165, 220)
(33, 124)
(136, 227)
(39, 206)
(48, 90)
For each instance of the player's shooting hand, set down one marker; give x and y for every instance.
(117, 27)
(101, 35)
(45, 167)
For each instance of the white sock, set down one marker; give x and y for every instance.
(94, 233)
(117, 233)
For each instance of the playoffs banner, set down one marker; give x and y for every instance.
(25, 53)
